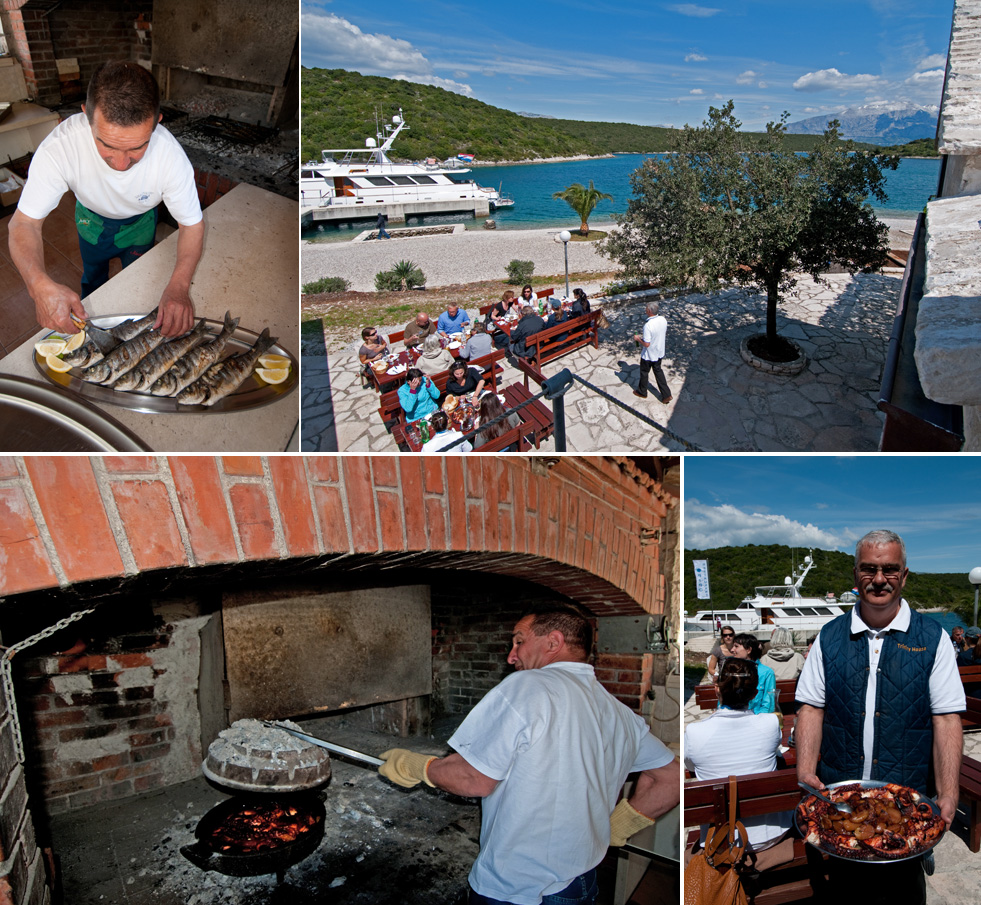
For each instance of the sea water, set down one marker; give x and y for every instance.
(531, 185)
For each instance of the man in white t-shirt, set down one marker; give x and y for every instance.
(548, 751)
(120, 165)
(655, 329)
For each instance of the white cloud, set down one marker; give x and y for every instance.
(727, 526)
(746, 78)
(934, 61)
(695, 58)
(696, 91)
(335, 43)
(833, 80)
(932, 77)
(690, 9)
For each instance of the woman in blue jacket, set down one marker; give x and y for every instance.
(418, 395)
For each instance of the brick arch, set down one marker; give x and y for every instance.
(585, 526)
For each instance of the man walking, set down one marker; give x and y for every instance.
(380, 226)
(548, 751)
(652, 340)
(880, 699)
(121, 165)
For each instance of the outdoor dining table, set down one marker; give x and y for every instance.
(385, 380)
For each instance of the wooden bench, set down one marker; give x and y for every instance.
(706, 801)
(706, 698)
(390, 409)
(554, 342)
(970, 782)
(536, 414)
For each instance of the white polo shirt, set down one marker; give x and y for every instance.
(68, 160)
(655, 329)
(946, 688)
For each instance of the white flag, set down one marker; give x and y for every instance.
(702, 579)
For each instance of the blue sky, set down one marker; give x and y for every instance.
(651, 63)
(829, 502)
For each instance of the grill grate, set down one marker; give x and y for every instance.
(232, 130)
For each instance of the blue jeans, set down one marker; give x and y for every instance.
(581, 891)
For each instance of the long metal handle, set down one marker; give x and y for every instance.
(337, 749)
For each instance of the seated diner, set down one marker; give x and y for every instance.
(479, 344)
(374, 345)
(434, 358)
(464, 380)
(490, 409)
(418, 395)
(418, 329)
(452, 320)
(444, 436)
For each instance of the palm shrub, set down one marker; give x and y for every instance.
(583, 201)
(403, 275)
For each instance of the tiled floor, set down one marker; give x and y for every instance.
(64, 264)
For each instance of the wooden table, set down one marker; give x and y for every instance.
(250, 266)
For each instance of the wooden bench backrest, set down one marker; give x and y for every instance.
(548, 344)
(707, 800)
(970, 673)
(514, 437)
(706, 698)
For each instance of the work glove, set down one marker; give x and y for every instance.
(625, 821)
(406, 768)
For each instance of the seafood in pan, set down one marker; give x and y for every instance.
(887, 822)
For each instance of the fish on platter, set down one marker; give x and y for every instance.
(192, 365)
(131, 327)
(160, 360)
(226, 376)
(123, 358)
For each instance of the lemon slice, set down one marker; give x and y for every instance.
(273, 375)
(276, 362)
(76, 340)
(46, 347)
(56, 364)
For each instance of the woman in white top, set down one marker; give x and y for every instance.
(734, 741)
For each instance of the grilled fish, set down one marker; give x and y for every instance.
(189, 368)
(123, 358)
(86, 354)
(130, 328)
(226, 376)
(160, 360)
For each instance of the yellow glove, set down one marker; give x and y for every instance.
(625, 821)
(406, 768)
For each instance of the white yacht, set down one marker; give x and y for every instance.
(773, 606)
(360, 178)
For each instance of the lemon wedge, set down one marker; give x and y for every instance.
(76, 340)
(273, 375)
(56, 364)
(46, 347)
(275, 362)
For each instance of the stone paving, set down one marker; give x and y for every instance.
(957, 876)
(720, 402)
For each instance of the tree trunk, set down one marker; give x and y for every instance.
(772, 297)
(584, 229)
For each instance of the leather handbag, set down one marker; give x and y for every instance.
(711, 877)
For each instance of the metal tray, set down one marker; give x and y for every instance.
(39, 418)
(867, 855)
(252, 393)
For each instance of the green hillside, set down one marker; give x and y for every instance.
(735, 571)
(338, 110)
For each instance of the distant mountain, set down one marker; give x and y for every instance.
(884, 124)
(535, 115)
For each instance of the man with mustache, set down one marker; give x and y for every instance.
(547, 751)
(120, 165)
(880, 699)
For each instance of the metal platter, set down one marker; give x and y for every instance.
(867, 856)
(252, 393)
(39, 418)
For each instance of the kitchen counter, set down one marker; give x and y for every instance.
(250, 267)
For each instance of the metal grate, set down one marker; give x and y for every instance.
(231, 130)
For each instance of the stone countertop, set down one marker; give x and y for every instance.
(249, 266)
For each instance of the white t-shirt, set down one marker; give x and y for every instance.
(68, 160)
(561, 747)
(946, 688)
(736, 743)
(441, 441)
(655, 329)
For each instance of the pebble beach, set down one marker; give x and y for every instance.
(476, 254)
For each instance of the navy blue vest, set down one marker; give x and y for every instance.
(903, 719)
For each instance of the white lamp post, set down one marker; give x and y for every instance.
(974, 576)
(564, 238)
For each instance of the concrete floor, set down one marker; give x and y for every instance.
(382, 846)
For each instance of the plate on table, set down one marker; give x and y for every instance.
(454, 345)
(398, 369)
(251, 393)
(864, 852)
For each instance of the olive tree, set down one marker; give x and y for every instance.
(732, 206)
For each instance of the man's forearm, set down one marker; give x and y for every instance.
(657, 790)
(27, 250)
(453, 774)
(808, 732)
(948, 741)
(190, 243)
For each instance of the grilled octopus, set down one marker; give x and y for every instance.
(887, 822)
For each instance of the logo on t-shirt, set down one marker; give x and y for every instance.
(143, 198)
